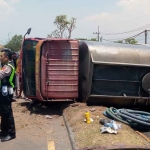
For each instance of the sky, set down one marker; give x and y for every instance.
(112, 17)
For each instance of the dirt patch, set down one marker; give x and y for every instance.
(88, 135)
(34, 121)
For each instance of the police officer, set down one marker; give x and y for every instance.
(7, 77)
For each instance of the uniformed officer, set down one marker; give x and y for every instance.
(7, 77)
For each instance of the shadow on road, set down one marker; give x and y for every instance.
(45, 108)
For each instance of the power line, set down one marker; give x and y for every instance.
(108, 40)
(98, 33)
(143, 38)
(90, 36)
(140, 28)
(127, 37)
(140, 36)
(145, 31)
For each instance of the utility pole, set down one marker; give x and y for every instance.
(145, 36)
(101, 39)
(98, 33)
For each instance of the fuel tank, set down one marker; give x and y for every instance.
(115, 73)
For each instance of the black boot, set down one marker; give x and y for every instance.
(2, 134)
(7, 138)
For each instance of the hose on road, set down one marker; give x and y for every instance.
(128, 116)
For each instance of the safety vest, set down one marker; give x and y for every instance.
(11, 77)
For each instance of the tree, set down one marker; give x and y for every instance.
(119, 41)
(15, 43)
(71, 26)
(92, 39)
(81, 39)
(130, 41)
(54, 34)
(63, 25)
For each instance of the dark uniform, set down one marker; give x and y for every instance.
(7, 78)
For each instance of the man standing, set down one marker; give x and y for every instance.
(7, 81)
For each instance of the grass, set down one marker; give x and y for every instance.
(89, 135)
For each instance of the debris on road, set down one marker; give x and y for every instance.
(108, 129)
(62, 124)
(48, 117)
(110, 123)
(74, 104)
(91, 120)
(93, 109)
(89, 135)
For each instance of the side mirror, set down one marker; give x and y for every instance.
(28, 31)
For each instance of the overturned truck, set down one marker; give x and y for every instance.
(65, 70)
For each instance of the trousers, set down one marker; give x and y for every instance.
(6, 113)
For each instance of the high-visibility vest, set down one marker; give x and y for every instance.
(11, 77)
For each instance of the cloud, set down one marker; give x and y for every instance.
(135, 8)
(127, 15)
(13, 1)
(6, 8)
(141, 6)
(101, 16)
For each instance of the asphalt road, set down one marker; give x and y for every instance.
(55, 138)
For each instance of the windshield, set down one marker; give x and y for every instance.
(28, 69)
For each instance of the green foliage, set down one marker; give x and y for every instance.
(71, 26)
(81, 39)
(63, 25)
(128, 41)
(119, 41)
(131, 41)
(15, 43)
(92, 39)
(54, 34)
